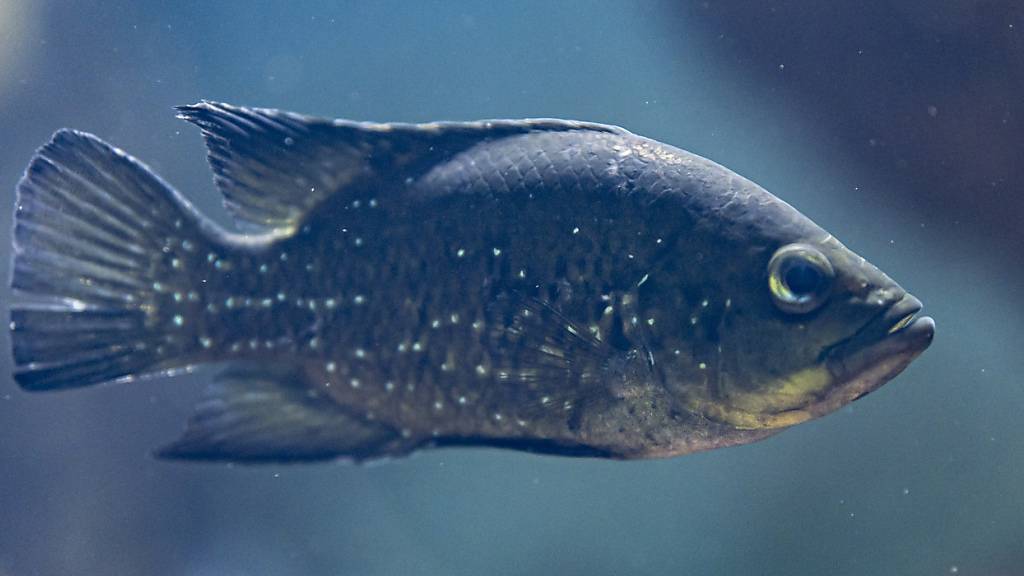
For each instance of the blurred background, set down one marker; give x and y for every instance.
(896, 125)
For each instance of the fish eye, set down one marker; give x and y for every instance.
(800, 278)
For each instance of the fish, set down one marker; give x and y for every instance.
(552, 286)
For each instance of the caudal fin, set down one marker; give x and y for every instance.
(101, 245)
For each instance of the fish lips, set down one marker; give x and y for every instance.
(876, 354)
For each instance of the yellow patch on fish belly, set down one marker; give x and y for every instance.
(776, 404)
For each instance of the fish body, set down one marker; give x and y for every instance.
(548, 285)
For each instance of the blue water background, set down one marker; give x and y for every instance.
(923, 477)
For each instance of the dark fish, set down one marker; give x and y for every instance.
(547, 285)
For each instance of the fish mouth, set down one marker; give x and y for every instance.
(877, 353)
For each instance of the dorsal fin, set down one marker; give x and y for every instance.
(274, 166)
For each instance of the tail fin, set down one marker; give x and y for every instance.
(100, 245)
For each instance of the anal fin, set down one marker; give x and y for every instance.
(257, 413)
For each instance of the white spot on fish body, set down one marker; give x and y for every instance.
(359, 299)
(179, 320)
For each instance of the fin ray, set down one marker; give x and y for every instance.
(91, 233)
(274, 166)
(258, 413)
(545, 351)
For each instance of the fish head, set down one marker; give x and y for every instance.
(810, 327)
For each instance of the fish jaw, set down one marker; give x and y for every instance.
(848, 371)
(877, 354)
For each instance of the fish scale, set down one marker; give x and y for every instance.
(546, 285)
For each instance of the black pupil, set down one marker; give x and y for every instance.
(802, 278)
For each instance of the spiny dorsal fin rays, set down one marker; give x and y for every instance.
(273, 166)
